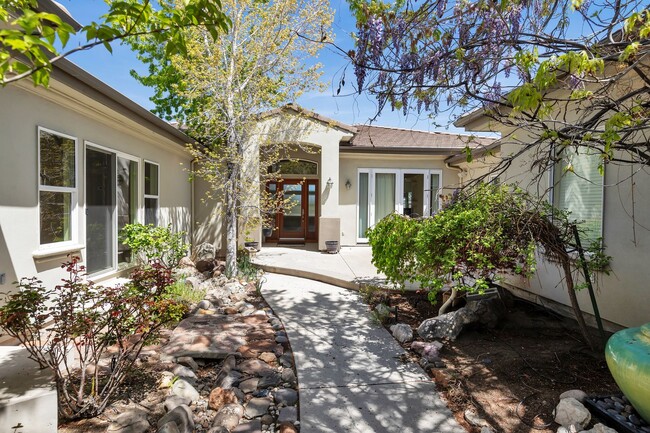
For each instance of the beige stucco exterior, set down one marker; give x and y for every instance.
(66, 110)
(623, 296)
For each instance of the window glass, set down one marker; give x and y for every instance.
(151, 211)
(435, 193)
(151, 194)
(294, 167)
(57, 158)
(56, 211)
(579, 189)
(127, 201)
(363, 205)
(150, 179)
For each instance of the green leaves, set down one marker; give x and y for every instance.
(28, 42)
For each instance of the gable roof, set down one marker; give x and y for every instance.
(383, 139)
(295, 108)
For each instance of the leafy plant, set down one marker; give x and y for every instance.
(152, 243)
(184, 293)
(72, 328)
(246, 269)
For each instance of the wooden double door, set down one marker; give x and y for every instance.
(298, 221)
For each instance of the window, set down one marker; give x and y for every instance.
(57, 186)
(294, 166)
(151, 193)
(578, 188)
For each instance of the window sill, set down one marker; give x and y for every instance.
(50, 253)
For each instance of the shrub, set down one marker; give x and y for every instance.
(72, 327)
(151, 243)
(184, 293)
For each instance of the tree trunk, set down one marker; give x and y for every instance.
(566, 266)
(231, 222)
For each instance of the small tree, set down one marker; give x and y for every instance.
(482, 232)
(73, 327)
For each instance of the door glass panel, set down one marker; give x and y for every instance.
(363, 205)
(100, 193)
(127, 201)
(413, 195)
(384, 195)
(435, 193)
(292, 218)
(311, 208)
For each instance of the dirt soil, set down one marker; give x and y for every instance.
(512, 375)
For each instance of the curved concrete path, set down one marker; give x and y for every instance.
(349, 373)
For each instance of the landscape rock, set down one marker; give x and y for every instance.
(219, 397)
(571, 411)
(600, 428)
(185, 373)
(285, 397)
(205, 254)
(170, 427)
(402, 332)
(474, 419)
(249, 385)
(255, 367)
(205, 305)
(267, 419)
(487, 312)
(131, 421)
(257, 407)
(270, 380)
(288, 414)
(228, 379)
(268, 357)
(382, 311)
(447, 326)
(181, 416)
(430, 352)
(570, 429)
(288, 376)
(578, 394)
(188, 362)
(194, 282)
(207, 337)
(249, 427)
(184, 389)
(174, 401)
(228, 416)
(286, 360)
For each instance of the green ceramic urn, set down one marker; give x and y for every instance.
(628, 359)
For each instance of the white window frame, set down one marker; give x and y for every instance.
(74, 191)
(399, 192)
(146, 196)
(551, 193)
(140, 202)
(431, 211)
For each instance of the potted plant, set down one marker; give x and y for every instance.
(332, 247)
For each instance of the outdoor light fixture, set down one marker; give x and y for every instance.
(330, 183)
(348, 184)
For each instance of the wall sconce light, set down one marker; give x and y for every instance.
(330, 183)
(348, 184)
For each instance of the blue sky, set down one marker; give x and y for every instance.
(114, 69)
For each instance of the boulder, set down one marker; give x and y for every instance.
(448, 325)
(228, 416)
(487, 312)
(570, 411)
(257, 407)
(205, 254)
(285, 397)
(402, 332)
(185, 373)
(188, 362)
(600, 428)
(170, 427)
(219, 397)
(382, 311)
(174, 401)
(430, 352)
(131, 421)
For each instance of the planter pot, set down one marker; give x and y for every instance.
(254, 245)
(628, 359)
(332, 246)
(266, 232)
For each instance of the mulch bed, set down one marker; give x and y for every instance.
(511, 375)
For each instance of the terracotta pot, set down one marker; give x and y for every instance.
(628, 359)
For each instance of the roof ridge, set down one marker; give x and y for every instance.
(461, 134)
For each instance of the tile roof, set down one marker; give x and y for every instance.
(381, 138)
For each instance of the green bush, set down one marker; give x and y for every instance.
(184, 293)
(151, 243)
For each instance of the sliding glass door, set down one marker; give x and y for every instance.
(111, 203)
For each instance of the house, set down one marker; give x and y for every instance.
(79, 161)
(342, 179)
(613, 206)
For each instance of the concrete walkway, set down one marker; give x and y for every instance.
(350, 268)
(350, 377)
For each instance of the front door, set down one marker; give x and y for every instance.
(298, 221)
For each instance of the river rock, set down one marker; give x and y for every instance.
(487, 312)
(448, 325)
(285, 397)
(183, 388)
(578, 394)
(181, 416)
(220, 397)
(130, 421)
(228, 416)
(205, 257)
(257, 407)
(174, 401)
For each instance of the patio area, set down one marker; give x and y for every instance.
(351, 268)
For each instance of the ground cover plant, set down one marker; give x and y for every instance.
(482, 233)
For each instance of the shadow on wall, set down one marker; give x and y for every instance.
(209, 225)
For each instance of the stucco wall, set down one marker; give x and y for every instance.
(351, 163)
(623, 296)
(22, 110)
